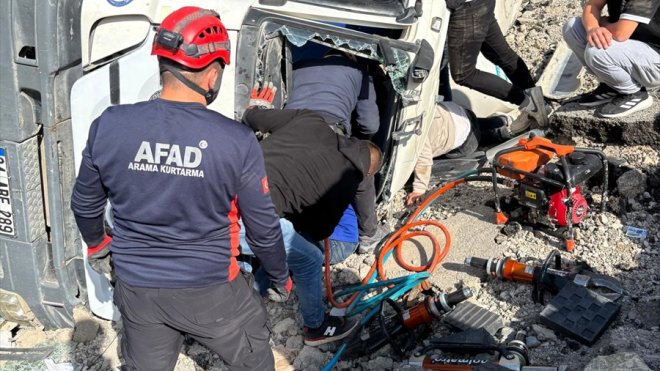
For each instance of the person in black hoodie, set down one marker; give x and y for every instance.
(313, 174)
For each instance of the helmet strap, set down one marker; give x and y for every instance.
(209, 95)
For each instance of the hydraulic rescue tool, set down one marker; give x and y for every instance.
(547, 180)
(399, 329)
(547, 276)
(576, 309)
(513, 357)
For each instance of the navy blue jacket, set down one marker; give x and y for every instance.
(178, 177)
(335, 86)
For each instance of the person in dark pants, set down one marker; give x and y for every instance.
(178, 177)
(337, 86)
(474, 29)
(313, 175)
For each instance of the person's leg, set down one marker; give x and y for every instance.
(628, 68)
(341, 250)
(364, 205)
(497, 50)
(625, 66)
(147, 343)
(576, 38)
(237, 328)
(445, 85)
(465, 37)
(305, 261)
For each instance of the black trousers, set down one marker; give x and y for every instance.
(228, 318)
(473, 29)
(364, 205)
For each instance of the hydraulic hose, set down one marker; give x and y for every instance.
(395, 242)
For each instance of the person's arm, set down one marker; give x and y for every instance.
(633, 13)
(622, 30)
(89, 197)
(268, 120)
(422, 173)
(597, 36)
(262, 226)
(368, 118)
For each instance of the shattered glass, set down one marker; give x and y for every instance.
(397, 72)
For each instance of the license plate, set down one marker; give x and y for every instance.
(6, 211)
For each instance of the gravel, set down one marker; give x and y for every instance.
(601, 243)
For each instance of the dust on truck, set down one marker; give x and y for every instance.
(65, 61)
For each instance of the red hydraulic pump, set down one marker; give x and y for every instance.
(547, 180)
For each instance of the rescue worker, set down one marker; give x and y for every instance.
(313, 174)
(455, 130)
(178, 177)
(337, 86)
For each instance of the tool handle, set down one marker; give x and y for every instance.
(544, 143)
(458, 296)
(473, 261)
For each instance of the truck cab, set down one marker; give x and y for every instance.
(70, 60)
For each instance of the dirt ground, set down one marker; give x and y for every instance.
(465, 211)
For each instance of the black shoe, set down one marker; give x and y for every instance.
(533, 109)
(332, 329)
(625, 104)
(601, 95)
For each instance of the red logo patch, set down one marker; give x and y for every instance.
(264, 184)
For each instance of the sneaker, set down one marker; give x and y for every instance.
(369, 244)
(332, 329)
(601, 95)
(625, 104)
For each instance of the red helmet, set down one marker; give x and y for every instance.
(193, 37)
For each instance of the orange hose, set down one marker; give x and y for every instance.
(395, 241)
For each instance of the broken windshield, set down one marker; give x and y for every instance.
(395, 61)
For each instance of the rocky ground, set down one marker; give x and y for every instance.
(601, 243)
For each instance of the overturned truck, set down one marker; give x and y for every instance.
(65, 61)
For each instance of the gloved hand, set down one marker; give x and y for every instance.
(280, 293)
(99, 257)
(263, 98)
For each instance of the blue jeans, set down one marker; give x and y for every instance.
(305, 261)
(339, 250)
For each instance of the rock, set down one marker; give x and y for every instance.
(295, 342)
(532, 341)
(544, 333)
(500, 238)
(380, 363)
(86, 326)
(284, 325)
(602, 218)
(631, 183)
(310, 358)
(617, 361)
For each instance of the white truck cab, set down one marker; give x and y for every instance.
(108, 63)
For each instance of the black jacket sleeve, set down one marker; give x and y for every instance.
(89, 197)
(268, 120)
(262, 226)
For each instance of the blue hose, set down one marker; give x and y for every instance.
(401, 285)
